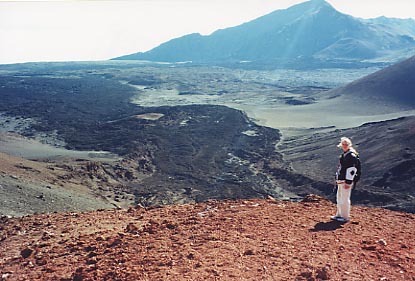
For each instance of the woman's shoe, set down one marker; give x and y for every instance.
(340, 219)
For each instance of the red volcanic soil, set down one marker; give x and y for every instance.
(228, 240)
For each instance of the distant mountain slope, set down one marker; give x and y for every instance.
(387, 152)
(310, 30)
(398, 26)
(394, 85)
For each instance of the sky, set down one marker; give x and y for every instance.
(99, 30)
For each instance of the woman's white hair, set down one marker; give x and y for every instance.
(349, 142)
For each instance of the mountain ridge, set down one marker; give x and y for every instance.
(394, 85)
(309, 30)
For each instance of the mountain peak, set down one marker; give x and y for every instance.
(307, 5)
(318, 4)
(313, 30)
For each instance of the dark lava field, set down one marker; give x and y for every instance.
(190, 152)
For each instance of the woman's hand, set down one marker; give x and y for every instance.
(347, 186)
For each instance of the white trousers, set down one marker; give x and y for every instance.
(343, 200)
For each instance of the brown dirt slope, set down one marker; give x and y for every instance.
(391, 86)
(62, 185)
(229, 240)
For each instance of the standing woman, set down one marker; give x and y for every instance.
(348, 173)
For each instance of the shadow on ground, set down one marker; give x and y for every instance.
(327, 226)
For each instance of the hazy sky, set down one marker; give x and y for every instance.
(99, 30)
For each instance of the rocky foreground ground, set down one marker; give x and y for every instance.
(228, 240)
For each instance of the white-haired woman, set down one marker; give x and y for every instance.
(348, 173)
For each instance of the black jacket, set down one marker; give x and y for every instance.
(349, 168)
